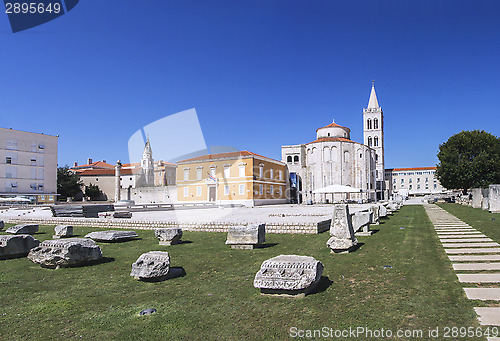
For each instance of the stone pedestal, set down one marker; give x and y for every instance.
(288, 275)
(342, 235)
(169, 236)
(246, 237)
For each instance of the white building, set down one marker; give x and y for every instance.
(334, 159)
(413, 181)
(28, 165)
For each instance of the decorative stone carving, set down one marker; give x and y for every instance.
(64, 253)
(151, 265)
(341, 231)
(169, 236)
(63, 231)
(16, 246)
(361, 223)
(288, 275)
(112, 235)
(23, 229)
(246, 237)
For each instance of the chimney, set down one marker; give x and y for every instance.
(104, 161)
(75, 164)
(89, 161)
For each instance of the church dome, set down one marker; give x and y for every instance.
(333, 130)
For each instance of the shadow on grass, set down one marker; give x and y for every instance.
(324, 283)
(356, 247)
(184, 242)
(265, 246)
(103, 260)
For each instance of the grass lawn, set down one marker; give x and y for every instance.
(216, 299)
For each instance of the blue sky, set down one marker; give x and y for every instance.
(260, 74)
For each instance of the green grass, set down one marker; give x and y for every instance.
(216, 299)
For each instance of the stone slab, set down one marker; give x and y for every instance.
(463, 237)
(458, 233)
(16, 246)
(466, 240)
(488, 316)
(456, 230)
(112, 235)
(477, 250)
(476, 266)
(474, 258)
(479, 278)
(470, 244)
(485, 294)
(23, 229)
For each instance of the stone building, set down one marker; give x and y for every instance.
(232, 178)
(333, 158)
(28, 165)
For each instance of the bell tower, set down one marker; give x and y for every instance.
(373, 136)
(147, 164)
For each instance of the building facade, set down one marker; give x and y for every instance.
(240, 177)
(28, 165)
(334, 159)
(413, 181)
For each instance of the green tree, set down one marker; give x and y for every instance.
(469, 159)
(93, 191)
(68, 182)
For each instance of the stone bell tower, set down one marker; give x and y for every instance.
(147, 165)
(373, 136)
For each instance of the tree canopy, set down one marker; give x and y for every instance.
(469, 159)
(93, 191)
(68, 182)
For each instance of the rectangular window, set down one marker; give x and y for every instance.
(226, 189)
(186, 174)
(272, 190)
(11, 172)
(8, 159)
(272, 174)
(241, 172)
(11, 145)
(280, 174)
(34, 147)
(199, 172)
(40, 160)
(33, 173)
(418, 180)
(418, 186)
(33, 186)
(242, 189)
(402, 181)
(40, 174)
(186, 191)
(227, 172)
(40, 187)
(212, 172)
(410, 186)
(410, 181)
(261, 172)
(280, 192)
(261, 189)
(33, 160)
(426, 180)
(435, 186)
(198, 191)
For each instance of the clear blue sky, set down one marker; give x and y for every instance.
(260, 73)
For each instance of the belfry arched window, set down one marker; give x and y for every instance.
(375, 141)
(369, 123)
(375, 123)
(289, 159)
(369, 141)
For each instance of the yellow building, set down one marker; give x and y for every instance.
(232, 178)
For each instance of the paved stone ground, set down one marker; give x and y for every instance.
(464, 242)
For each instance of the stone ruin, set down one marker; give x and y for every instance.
(375, 215)
(23, 229)
(112, 235)
(63, 231)
(361, 223)
(382, 213)
(494, 198)
(55, 254)
(246, 237)
(153, 265)
(342, 235)
(16, 246)
(288, 275)
(169, 236)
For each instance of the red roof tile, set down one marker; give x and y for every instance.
(230, 155)
(97, 164)
(332, 139)
(107, 172)
(333, 124)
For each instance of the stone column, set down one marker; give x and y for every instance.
(118, 173)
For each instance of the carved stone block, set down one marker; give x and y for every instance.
(64, 253)
(16, 246)
(169, 236)
(63, 231)
(246, 237)
(341, 231)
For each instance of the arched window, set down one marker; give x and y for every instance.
(346, 156)
(289, 159)
(369, 141)
(326, 154)
(375, 123)
(375, 141)
(369, 124)
(296, 158)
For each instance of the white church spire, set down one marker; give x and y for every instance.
(372, 102)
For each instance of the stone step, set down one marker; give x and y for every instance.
(471, 236)
(478, 250)
(476, 266)
(469, 240)
(449, 233)
(488, 316)
(485, 258)
(479, 278)
(470, 244)
(484, 294)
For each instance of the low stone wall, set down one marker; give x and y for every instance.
(303, 228)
